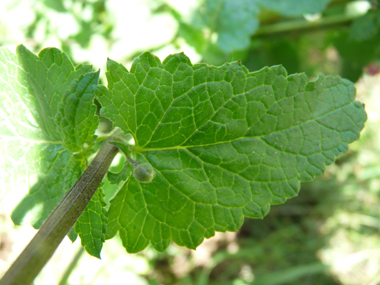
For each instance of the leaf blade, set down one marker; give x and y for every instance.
(91, 224)
(225, 143)
(31, 145)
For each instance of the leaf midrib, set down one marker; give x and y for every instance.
(142, 149)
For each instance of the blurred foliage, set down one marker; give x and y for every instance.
(330, 234)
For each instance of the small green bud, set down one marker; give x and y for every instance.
(144, 173)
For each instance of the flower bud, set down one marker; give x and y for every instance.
(144, 173)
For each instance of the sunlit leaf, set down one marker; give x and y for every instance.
(34, 150)
(225, 143)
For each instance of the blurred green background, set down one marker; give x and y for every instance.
(330, 234)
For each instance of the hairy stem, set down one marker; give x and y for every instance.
(42, 246)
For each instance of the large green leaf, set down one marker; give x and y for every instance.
(225, 143)
(32, 151)
(29, 148)
(35, 90)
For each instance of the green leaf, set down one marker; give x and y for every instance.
(225, 143)
(234, 21)
(27, 151)
(61, 171)
(47, 78)
(295, 7)
(91, 225)
(31, 145)
(76, 114)
(14, 108)
(35, 91)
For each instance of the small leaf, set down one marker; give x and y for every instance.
(91, 225)
(33, 156)
(224, 143)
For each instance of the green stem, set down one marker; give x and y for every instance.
(133, 162)
(71, 266)
(287, 26)
(45, 242)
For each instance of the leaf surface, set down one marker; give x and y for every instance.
(61, 171)
(27, 151)
(32, 148)
(225, 143)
